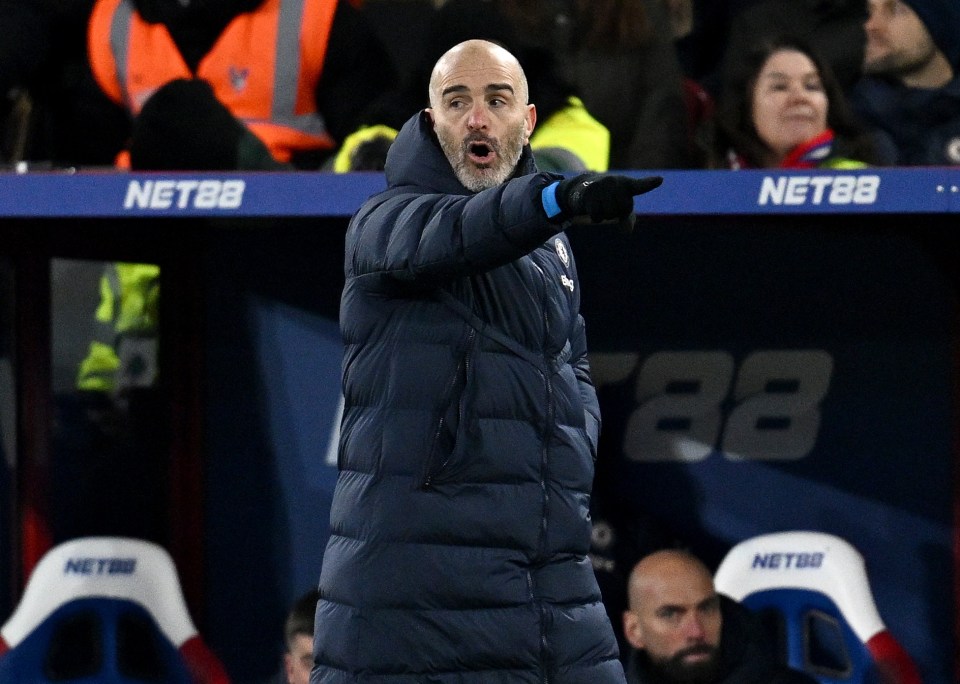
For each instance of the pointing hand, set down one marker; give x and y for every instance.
(603, 197)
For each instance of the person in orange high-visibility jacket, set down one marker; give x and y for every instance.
(300, 75)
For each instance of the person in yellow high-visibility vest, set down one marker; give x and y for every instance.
(124, 353)
(111, 451)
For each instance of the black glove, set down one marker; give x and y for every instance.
(603, 197)
(184, 127)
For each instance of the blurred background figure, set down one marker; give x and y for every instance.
(233, 84)
(68, 99)
(620, 57)
(110, 458)
(298, 641)
(124, 355)
(683, 632)
(781, 106)
(910, 92)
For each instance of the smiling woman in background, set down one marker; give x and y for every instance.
(781, 107)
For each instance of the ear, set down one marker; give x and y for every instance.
(530, 121)
(632, 629)
(429, 112)
(288, 666)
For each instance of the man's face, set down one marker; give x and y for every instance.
(480, 115)
(298, 661)
(898, 43)
(676, 620)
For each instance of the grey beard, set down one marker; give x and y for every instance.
(475, 183)
(456, 153)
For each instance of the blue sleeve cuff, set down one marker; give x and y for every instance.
(548, 198)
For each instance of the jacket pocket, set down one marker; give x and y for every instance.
(453, 420)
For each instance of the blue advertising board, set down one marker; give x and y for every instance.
(899, 191)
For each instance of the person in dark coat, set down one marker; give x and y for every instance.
(459, 525)
(909, 95)
(684, 632)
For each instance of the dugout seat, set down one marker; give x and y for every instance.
(108, 610)
(812, 592)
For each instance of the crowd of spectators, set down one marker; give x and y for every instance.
(620, 84)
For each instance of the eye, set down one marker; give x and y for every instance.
(711, 607)
(669, 613)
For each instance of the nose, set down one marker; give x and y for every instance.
(694, 630)
(477, 119)
(797, 92)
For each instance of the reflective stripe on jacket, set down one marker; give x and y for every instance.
(264, 67)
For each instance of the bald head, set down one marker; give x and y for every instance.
(663, 569)
(477, 56)
(480, 113)
(674, 614)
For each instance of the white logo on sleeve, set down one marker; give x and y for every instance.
(566, 282)
(562, 251)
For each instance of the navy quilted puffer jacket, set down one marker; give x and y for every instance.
(459, 525)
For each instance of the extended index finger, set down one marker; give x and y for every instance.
(641, 185)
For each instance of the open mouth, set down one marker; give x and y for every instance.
(480, 152)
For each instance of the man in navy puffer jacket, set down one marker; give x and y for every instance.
(460, 526)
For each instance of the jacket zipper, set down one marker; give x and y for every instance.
(544, 459)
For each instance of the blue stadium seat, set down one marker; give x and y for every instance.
(105, 610)
(811, 590)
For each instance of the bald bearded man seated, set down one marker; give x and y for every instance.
(683, 632)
